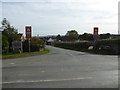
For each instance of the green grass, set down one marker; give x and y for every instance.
(26, 54)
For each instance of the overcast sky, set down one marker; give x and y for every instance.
(53, 17)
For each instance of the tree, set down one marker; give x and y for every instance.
(5, 44)
(105, 36)
(86, 36)
(36, 44)
(73, 34)
(10, 32)
(5, 23)
(58, 37)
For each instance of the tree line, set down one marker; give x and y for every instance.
(73, 35)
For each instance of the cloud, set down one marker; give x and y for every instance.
(53, 16)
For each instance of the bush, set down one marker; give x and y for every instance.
(74, 45)
(35, 44)
(112, 43)
(108, 46)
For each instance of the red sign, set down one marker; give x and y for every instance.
(28, 31)
(95, 31)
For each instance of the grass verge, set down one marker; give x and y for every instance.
(26, 54)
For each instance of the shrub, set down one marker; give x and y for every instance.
(74, 45)
(112, 43)
(35, 44)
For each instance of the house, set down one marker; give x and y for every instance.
(50, 41)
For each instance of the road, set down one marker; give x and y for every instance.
(61, 68)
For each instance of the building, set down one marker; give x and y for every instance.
(50, 41)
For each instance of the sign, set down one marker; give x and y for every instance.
(95, 33)
(28, 31)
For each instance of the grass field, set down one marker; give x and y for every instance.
(26, 54)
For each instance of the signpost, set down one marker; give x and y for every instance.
(28, 34)
(95, 34)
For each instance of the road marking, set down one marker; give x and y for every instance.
(12, 63)
(43, 71)
(49, 80)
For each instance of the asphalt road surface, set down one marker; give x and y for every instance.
(61, 68)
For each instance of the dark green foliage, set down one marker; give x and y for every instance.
(25, 46)
(86, 36)
(74, 45)
(83, 46)
(5, 44)
(104, 36)
(35, 44)
(10, 32)
(58, 37)
(112, 43)
(73, 35)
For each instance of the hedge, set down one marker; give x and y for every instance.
(113, 43)
(83, 46)
(74, 45)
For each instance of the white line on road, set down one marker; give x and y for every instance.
(43, 71)
(52, 80)
(12, 63)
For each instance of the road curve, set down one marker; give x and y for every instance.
(61, 68)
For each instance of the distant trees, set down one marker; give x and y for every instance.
(104, 36)
(73, 34)
(58, 37)
(86, 36)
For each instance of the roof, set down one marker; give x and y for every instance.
(50, 40)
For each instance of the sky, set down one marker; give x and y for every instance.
(53, 17)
